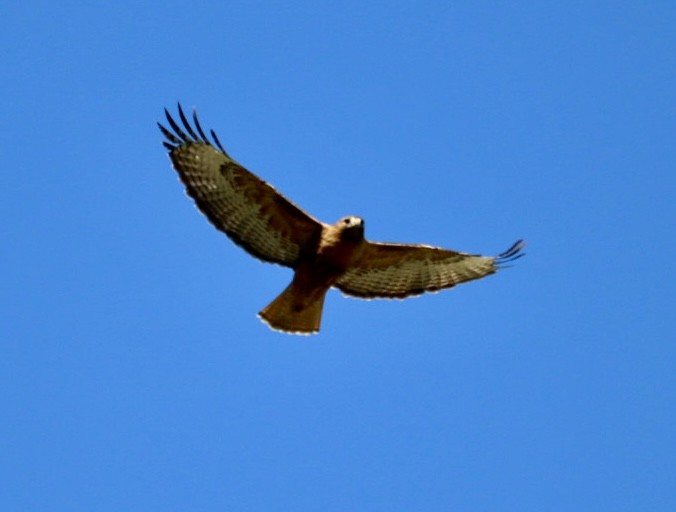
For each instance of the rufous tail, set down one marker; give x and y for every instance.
(295, 310)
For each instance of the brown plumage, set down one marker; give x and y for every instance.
(270, 227)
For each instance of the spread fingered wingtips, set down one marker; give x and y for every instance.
(512, 254)
(179, 137)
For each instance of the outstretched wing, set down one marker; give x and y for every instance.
(398, 271)
(250, 211)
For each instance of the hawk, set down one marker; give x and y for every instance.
(271, 228)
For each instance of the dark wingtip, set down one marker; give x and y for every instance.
(179, 137)
(198, 126)
(172, 141)
(187, 126)
(175, 127)
(168, 116)
(218, 143)
(515, 252)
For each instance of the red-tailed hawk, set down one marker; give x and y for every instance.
(270, 227)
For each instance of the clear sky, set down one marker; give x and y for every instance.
(134, 374)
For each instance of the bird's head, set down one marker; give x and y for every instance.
(351, 228)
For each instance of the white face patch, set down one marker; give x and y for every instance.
(351, 221)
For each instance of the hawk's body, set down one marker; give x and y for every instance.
(266, 224)
(299, 307)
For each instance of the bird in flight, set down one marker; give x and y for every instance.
(270, 227)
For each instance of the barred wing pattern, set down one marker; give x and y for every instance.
(398, 271)
(249, 210)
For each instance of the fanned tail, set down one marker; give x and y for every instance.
(295, 312)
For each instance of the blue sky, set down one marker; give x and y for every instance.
(134, 373)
